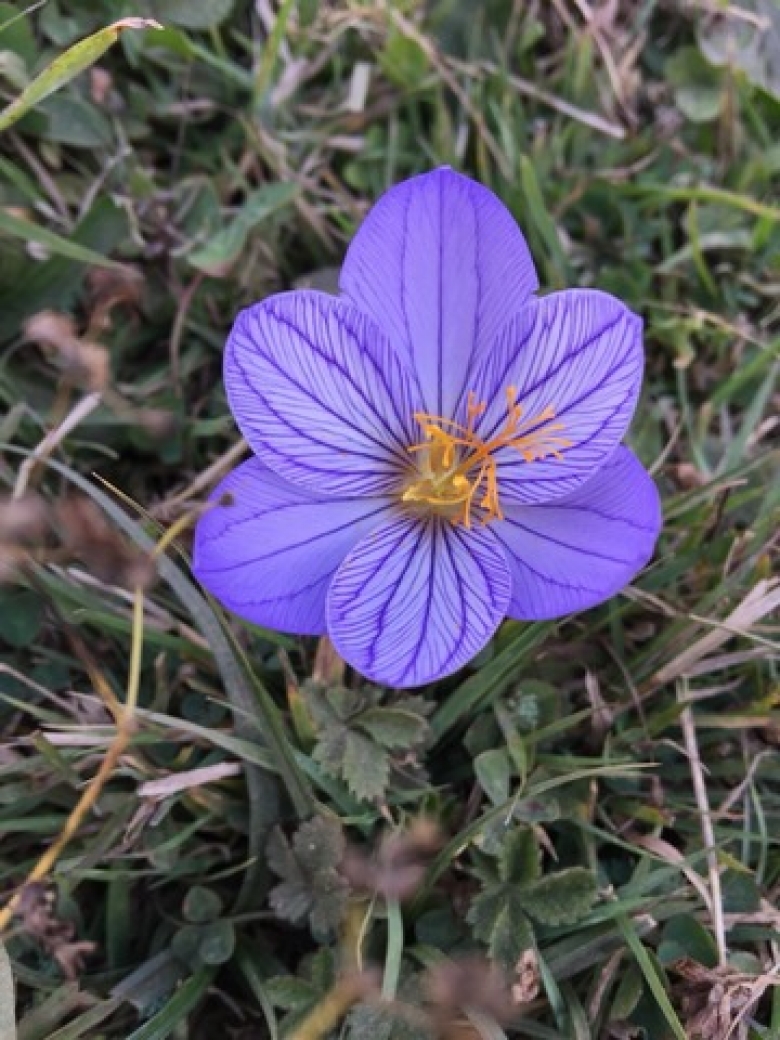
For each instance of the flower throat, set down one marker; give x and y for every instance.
(458, 471)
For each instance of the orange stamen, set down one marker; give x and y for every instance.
(457, 463)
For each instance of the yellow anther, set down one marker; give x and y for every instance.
(456, 464)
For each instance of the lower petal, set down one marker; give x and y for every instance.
(585, 547)
(270, 551)
(416, 600)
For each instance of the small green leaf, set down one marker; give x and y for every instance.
(319, 845)
(218, 255)
(741, 894)
(534, 705)
(684, 936)
(494, 773)
(627, 994)
(76, 123)
(312, 885)
(201, 905)
(751, 45)
(21, 616)
(217, 942)
(185, 944)
(499, 919)
(393, 727)
(404, 61)
(16, 33)
(520, 862)
(698, 90)
(292, 901)
(561, 898)
(193, 14)
(291, 993)
(68, 65)
(365, 768)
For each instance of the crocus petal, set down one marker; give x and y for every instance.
(416, 599)
(580, 353)
(320, 394)
(440, 264)
(269, 553)
(585, 547)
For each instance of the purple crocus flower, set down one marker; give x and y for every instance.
(435, 449)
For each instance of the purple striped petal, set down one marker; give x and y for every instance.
(580, 353)
(320, 395)
(271, 553)
(585, 547)
(440, 264)
(416, 600)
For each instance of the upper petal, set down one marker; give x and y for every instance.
(584, 547)
(269, 553)
(415, 600)
(440, 264)
(579, 353)
(320, 395)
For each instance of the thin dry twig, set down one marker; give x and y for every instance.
(54, 438)
(688, 726)
(125, 727)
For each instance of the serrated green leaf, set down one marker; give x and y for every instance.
(330, 747)
(343, 702)
(319, 845)
(392, 727)
(561, 898)
(292, 901)
(365, 767)
(499, 919)
(313, 887)
(280, 857)
(520, 860)
(377, 1021)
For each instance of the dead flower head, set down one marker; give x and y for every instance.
(37, 918)
(86, 534)
(84, 363)
(471, 983)
(398, 867)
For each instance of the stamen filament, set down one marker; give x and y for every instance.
(457, 463)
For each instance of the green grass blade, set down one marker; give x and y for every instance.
(68, 65)
(29, 232)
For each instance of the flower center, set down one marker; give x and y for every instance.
(457, 469)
